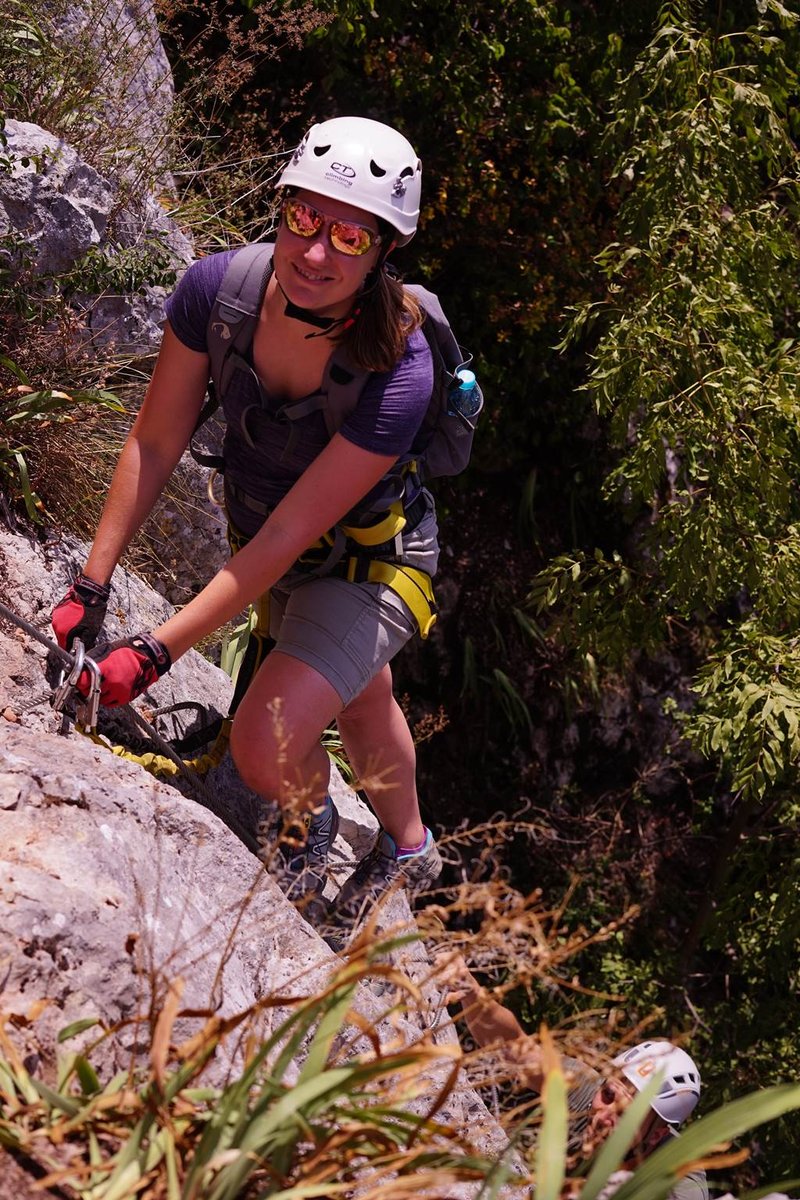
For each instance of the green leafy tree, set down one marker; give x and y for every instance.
(694, 372)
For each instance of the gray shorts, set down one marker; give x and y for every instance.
(349, 631)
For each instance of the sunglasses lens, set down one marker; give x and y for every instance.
(348, 238)
(302, 219)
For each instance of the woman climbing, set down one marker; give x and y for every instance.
(304, 506)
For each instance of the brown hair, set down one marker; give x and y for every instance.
(386, 315)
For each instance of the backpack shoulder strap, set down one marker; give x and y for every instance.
(234, 313)
(230, 328)
(343, 384)
(344, 381)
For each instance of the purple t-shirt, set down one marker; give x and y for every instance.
(266, 453)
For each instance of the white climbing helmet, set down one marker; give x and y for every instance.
(365, 163)
(680, 1085)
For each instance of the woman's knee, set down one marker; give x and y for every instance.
(255, 755)
(372, 701)
(277, 753)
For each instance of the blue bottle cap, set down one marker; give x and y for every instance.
(467, 380)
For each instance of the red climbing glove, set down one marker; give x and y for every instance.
(128, 667)
(81, 613)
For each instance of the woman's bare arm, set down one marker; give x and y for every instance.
(492, 1024)
(340, 476)
(159, 435)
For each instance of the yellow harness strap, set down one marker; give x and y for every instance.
(383, 531)
(414, 587)
(323, 543)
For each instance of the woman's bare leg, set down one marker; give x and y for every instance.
(275, 739)
(380, 747)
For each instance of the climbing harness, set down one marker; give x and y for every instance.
(364, 554)
(86, 721)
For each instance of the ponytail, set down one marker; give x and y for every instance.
(385, 316)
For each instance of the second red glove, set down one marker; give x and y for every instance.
(128, 667)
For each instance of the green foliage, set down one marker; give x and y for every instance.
(748, 714)
(234, 645)
(695, 372)
(332, 743)
(21, 409)
(20, 41)
(551, 1148)
(598, 611)
(121, 270)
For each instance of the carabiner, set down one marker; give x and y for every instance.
(66, 683)
(86, 710)
(86, 707)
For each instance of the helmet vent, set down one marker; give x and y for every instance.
(377, 171)
(406, 171)
(320, 150)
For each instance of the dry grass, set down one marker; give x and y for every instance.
(393, 1066)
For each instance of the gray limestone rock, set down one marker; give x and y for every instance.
(55, 208)
(113, 884)
(128, 74)
(56, 203)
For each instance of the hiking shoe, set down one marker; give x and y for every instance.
(380, 869)
(301, 842)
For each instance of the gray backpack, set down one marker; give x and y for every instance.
(447, 434)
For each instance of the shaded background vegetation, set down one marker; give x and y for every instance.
(550, 133)
(610, 221)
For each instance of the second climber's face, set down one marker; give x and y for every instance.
(608, 1105)
(323, 251)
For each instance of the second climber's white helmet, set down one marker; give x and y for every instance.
(364, 162)
(680, 1078)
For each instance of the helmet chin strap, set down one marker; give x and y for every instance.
(324, 325)
(308, 316)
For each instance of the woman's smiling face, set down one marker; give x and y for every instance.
(311, 272)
